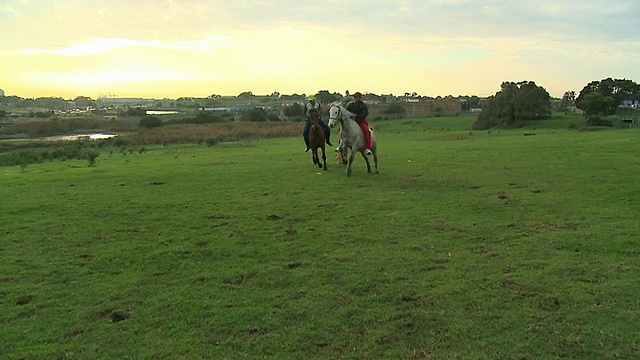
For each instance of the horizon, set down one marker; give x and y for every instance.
(169, 49)
(111, 96)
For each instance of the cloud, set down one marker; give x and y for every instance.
(99, 46)
(392, 45)
(6, 11)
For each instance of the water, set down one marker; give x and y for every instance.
(161, 112)
(97, 136)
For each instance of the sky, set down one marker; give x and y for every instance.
(197, 48)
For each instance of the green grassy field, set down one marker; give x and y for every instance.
(468, 245)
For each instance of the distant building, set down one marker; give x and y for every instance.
(1, 93)
(105, 100)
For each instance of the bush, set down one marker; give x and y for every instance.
(150, 122)
(202, 117)
(293, 110)
(597, 120)
(81, 150)
(212, 141)
(92, 156)
(137, 111)
(120, 142)
(273, 117)
(255, 114)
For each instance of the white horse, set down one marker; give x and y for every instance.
(351, 136)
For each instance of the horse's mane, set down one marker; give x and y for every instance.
(342, 107)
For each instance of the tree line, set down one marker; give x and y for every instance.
(518, 102)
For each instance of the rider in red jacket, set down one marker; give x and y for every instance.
(358, 107)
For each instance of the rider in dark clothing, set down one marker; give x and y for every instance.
(360, 109)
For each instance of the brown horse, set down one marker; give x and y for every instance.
(317, 139)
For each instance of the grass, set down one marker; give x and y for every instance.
(471, 245)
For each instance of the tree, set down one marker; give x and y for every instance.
(514, 104)
(136, 111)
(51, 103)
(206, 117)
(150, 122)
(255, 114)
(293, 110)
(595, 103)
(246, 95)
(616, 89)
(84, 102)
(568, 99)
(325, 97)
(10, 100)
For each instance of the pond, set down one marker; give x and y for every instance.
(98, 136)
(161, 112)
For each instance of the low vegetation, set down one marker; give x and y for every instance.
(469, 244)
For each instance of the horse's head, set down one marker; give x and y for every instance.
(334, 113)
(337, 113)
(314, 117)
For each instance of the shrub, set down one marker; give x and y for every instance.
(80, 150)
(92, 156)
(137, 111)
(273, 117)
(255, 114)
(293, 110)
(120, 142)
(150, 122)
(597, 120)
(202, 117)
(212, 141)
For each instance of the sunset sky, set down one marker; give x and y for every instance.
(175, 48)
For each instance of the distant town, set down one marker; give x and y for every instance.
(110, 107)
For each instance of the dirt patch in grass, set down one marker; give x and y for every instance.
(115, 315)
(24, 300)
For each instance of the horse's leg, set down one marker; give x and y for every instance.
(314, 155)
(324, 158)
(375, 157)
(366, 160)
(318, 158)
(364, 154)
(351, 158)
